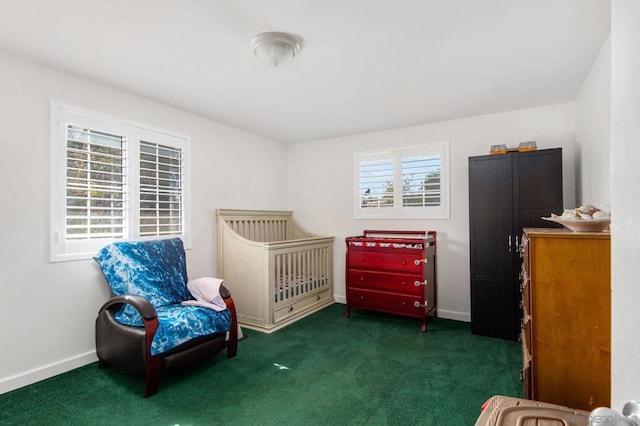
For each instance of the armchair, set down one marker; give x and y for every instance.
(144, 328)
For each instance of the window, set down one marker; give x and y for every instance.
(161, 182)
(403, 183)
(112, 181)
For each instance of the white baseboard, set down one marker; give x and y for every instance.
(453, 315)
(442, 313)
(340, 299)
(29, 377)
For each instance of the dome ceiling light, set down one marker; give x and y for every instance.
(274, 48)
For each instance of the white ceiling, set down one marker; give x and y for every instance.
(365, 65)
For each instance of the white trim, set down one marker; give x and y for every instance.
(112, 118)
(60, 250)
(340, 299)
(442, 313)
(46, 371)
(454, 315)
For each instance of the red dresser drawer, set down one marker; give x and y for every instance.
(392, 272)
(401, 283)
(374, 259)
(387, 302)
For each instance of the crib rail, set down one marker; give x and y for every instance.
(299, 272)
(263, 226)
(262, 231)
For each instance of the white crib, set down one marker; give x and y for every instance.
(276, 271)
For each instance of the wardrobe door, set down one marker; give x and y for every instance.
(538, 188)
(493, 291)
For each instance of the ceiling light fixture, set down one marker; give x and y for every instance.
(274, 48)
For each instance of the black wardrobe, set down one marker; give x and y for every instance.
(507, 192)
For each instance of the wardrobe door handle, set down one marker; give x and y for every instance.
(509, 243)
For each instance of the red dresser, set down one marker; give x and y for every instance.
(392, 272)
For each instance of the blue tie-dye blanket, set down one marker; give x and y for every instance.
(157, 270)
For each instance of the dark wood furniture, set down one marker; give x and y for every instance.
(392, 272)
(566, 327)
(507, 192)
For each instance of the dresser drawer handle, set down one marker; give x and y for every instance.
(419, 261)
(419, 283)
(417, 304)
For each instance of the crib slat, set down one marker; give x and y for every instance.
(305, 259)
(289, 272)
(312, 262)
(274, 278)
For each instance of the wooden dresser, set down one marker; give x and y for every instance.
(392, 272)
(566, 325)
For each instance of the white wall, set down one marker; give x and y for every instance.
(48, 310)
(40, 337)
(625, 197)
(593, 133)
(321, 179)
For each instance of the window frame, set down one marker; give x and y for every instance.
(398, 211)
(63, 249)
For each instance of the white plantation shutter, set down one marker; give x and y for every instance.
(95, 184)
(161, 190)
(376, 183)
(114, 181)
(421, 181)
(403, 183)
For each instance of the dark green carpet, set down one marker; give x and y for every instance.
(371, 369)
